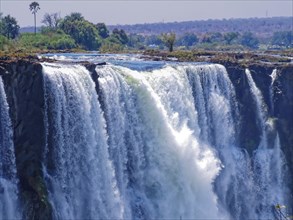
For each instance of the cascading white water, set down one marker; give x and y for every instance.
(125, 139)
(261, 109)
(273, 76)
(166, 145)
(268, 160)
(79, 174)
(9, 202)
(166, 172)
(215, 101)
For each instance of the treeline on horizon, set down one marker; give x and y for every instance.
(75, 32)
(259, 26)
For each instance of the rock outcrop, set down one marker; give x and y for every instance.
(23, 82)
(278, 96)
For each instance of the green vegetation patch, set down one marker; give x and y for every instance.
(55, 41)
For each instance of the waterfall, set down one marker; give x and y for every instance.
(156, 143)
(268, 159)
(214, 100)
(125, 138)
(261, 109)
(273, 76)
(9, 202)
(79, 174)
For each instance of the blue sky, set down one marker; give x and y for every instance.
(149, 11)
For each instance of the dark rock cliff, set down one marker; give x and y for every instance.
(23, 80)
(278, 96)
(283, 112)
(249, 128)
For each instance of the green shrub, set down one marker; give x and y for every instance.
(48, 40)
(63, 43)
(5, 44)
(111, 47)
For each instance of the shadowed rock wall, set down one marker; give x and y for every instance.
(23, 81)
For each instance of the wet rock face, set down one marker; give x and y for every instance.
(250, 134)
(283, 106)
(248, 127)
(279, 103)
(23, 82)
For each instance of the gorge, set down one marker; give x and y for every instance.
(137, 139)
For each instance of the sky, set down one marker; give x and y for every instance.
(148, 11)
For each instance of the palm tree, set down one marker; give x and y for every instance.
(34, 7)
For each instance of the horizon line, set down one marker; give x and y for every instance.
(168, 22)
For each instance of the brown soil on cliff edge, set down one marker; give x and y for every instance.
(242, 57)
(22, 53)
(245, 59)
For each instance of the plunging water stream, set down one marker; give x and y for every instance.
(9, 202)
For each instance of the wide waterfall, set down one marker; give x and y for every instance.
(134, 140)
(159, 142)
(9, 202)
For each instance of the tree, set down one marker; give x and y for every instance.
(216, 37)
(169, 40)
(136, 41)
(74, 16)
(120, 35)
(102, 30)
(82, 31)
(9, 27)
(213, 37)
(283, 38)
(249, 40)
(1, 23)
(230, 37)
(188, 40)
(153, 40)
(34, 7)
(206, 39)
(51, 20)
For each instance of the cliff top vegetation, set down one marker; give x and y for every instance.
(73, 33)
